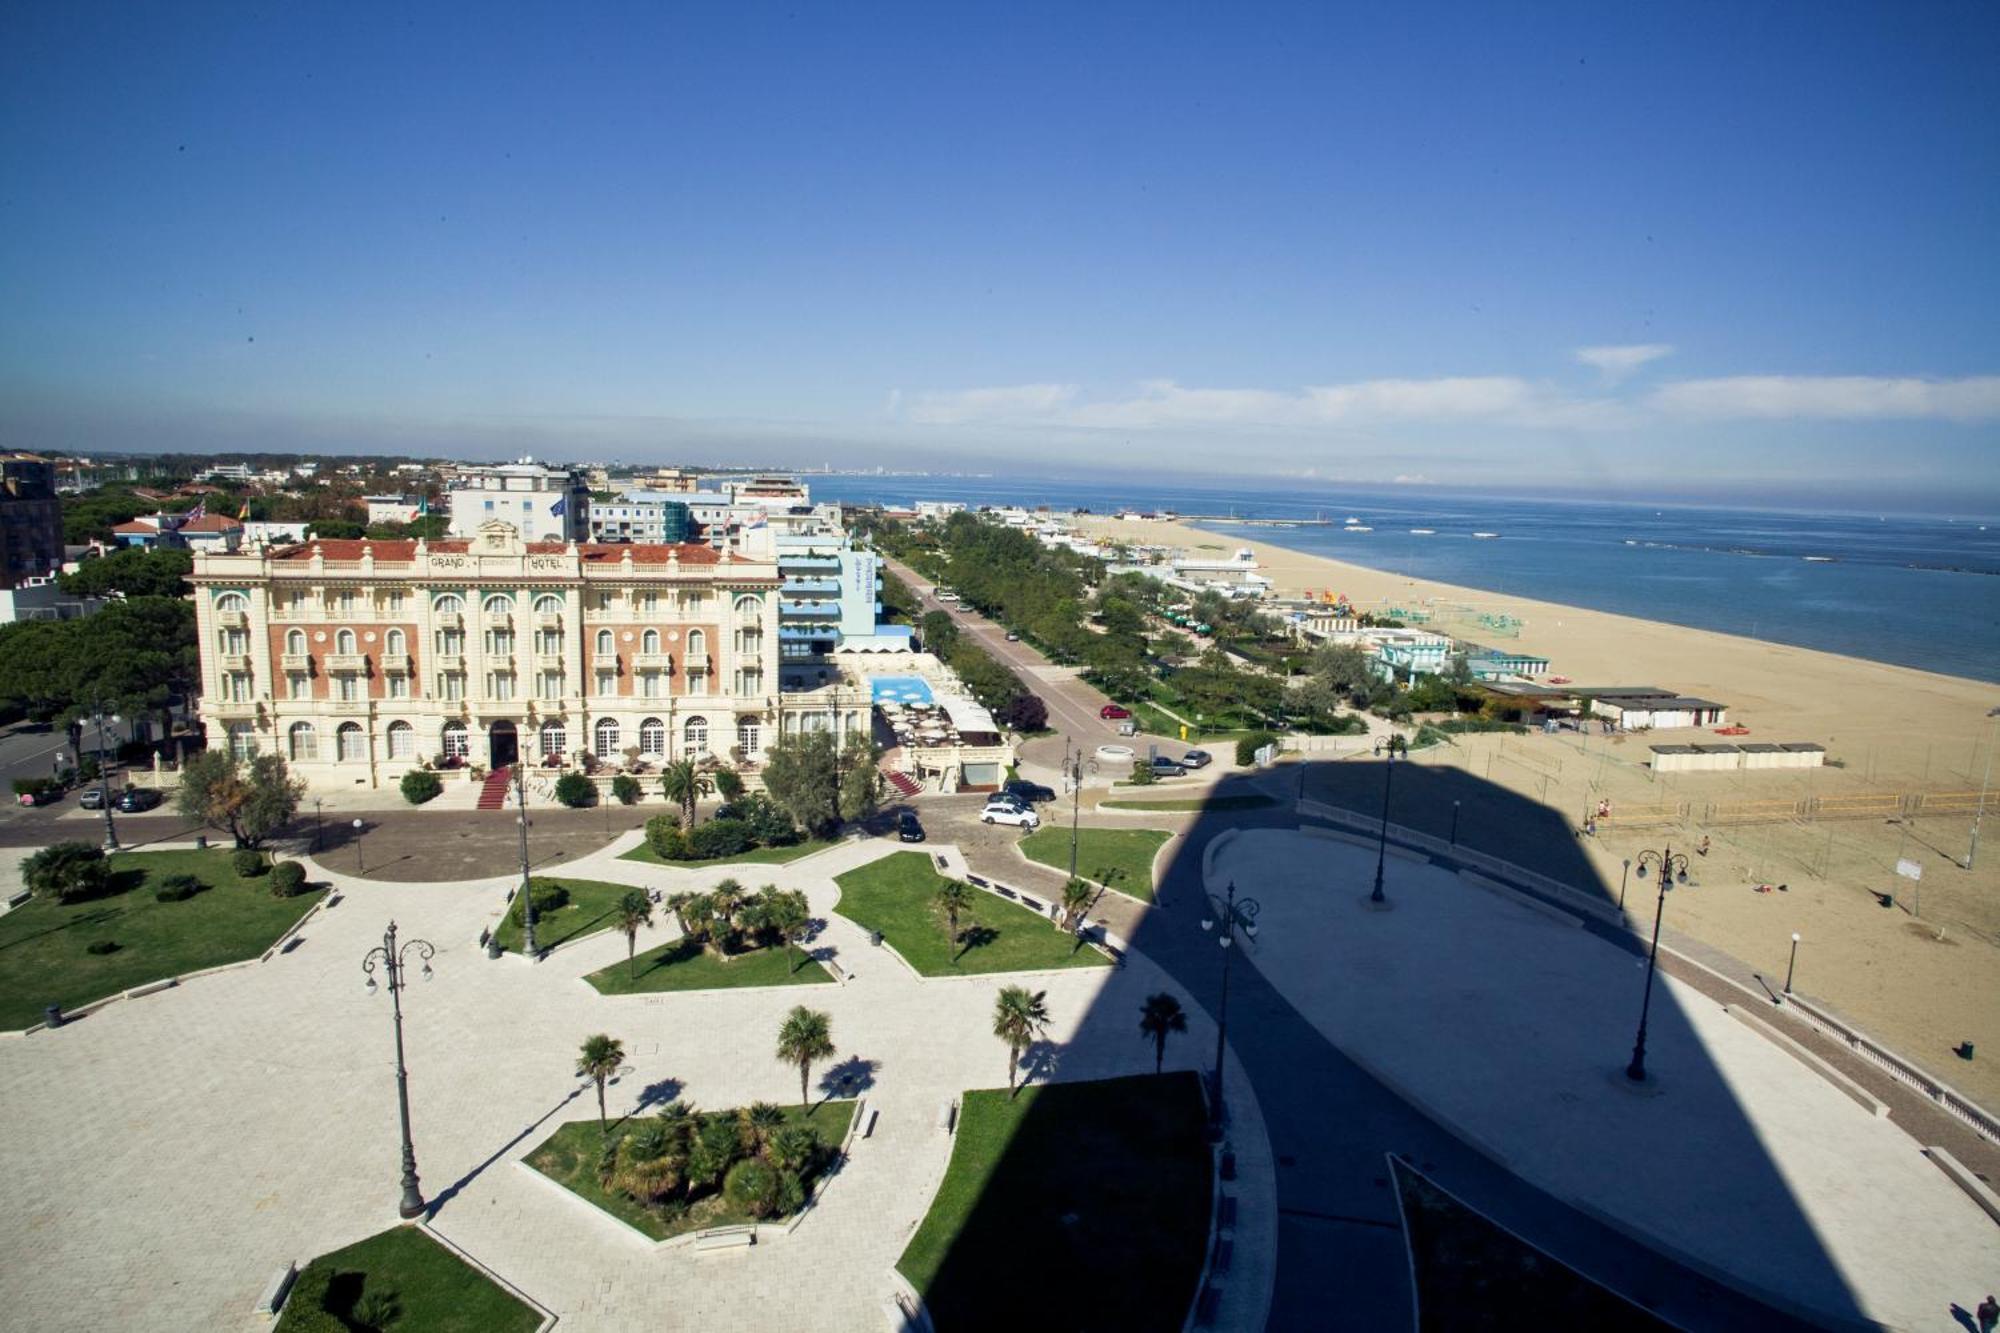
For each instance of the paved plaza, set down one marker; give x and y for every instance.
(168, 1153)
(1512, 1028)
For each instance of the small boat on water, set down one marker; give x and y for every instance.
(1423, 532)
(1820, 559)
(1485, 535)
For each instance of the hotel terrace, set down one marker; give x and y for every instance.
(360, 660)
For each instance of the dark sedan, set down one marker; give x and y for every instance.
(1030, 792)
(135, 800)
(908, 828)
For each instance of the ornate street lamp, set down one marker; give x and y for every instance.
(1673, 869)
(360, 870)
(1231, 914)
(1792, 965)
(392, 958)
(1392, 746)
(104, 784)
(527, 899)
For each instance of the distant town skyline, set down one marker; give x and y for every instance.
(1703, 253)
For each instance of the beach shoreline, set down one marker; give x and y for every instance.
(1890, 732)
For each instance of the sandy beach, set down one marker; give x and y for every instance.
(1920, 976)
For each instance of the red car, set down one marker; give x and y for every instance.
(1113, 713)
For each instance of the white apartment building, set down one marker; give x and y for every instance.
(360, 660)
(547, 504)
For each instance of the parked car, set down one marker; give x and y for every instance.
(1165, 767)
(133, 800)
(1031, 792)
(1002, 811)
(1197, 759)
(1113, 712)
(908, 827)
(92, 798)
(1013, 636)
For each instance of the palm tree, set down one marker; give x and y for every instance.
(1019, 1018)
(953, 900)
(1160, 1017)
(760, 1120)
(683, 783)
(635, 910)
(725, 901)
(1077, 896)
(598, 1061)
(682, 905)
(805, 1036)
(787, 913)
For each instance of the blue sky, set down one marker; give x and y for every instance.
(1747, 248)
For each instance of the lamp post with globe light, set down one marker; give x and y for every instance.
(1231, 914)
(1393, 746)
(392, 958)
(1673, 869)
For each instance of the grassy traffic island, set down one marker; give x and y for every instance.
(1105, 1183)
(580, 907)
(897, 895)
(1472, 1274)
(1210, 805)
(755, 856)
(401, 1280)
(1120, 859)
(683, 1170)
(685, 965)
(126, 935)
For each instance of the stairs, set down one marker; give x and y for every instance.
(493, 795)
(903, 783)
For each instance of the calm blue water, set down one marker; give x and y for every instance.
(1921, 592)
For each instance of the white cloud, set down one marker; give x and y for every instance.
(1019, 402)
(1619, 361)
(1831, 397)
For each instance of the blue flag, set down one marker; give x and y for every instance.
(560, 507)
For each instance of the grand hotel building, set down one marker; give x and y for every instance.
(359, 660)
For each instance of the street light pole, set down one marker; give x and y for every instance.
(1394, 745)
(1623, 875)
(105, 787)
(1972, 852)
(392, 959)
(317, 802)
(1232, 915)
(1793, 964)
(1075, 806)
(1454, 825)
(527, 899)
(360, 869)
(1672, 866)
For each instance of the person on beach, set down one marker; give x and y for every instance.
(1703, 849)
(1989, 1313)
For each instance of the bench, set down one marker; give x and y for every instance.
(1032, 904)
(868, 1124)
(946, 1112)
(1206, 1306)
(1225, 1251)
(1225, 1213)
(1003, 891)
(1117, 954)
(977, 881)
(277, 1289)
(23, 896)
(736, 1238)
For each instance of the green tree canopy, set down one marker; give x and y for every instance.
(161, 573)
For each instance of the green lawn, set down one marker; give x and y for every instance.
(756, 856)
(894, 895)
(589, 910)
(570, 1157)
(1471, 1274)
(42, 944)
(685, 965)
(1213, 803)
(1108, 1178)
(1121, 859)
(437, 1291)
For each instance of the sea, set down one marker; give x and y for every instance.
(1913, 590)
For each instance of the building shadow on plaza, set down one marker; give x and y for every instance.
(1341, 1253)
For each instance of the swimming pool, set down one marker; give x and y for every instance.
(900, 690)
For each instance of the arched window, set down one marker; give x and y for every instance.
(232, 601)
(343, 642)
(295, 642)
(393, 644)
(554, 740)
(350, 742)
(605, 647)
(546, 605)
(652, 738)
(499, 604)
(697, 642)
(242, 740)
(456, 743)
(304, 742)
(750, 606)
(694, 738)
(748, 732)
(649, 642)
(607, 738)
(402, 740)
(448, 605)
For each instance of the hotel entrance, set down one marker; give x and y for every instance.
(504, 743)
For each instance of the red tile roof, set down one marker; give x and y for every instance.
(138, 525)
(403, 550)
(212, 523)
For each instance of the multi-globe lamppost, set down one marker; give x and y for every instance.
(1673, 869)
(527, 899)
(104, 784)
(1392, 747)
(392, 957)
(1230, 914)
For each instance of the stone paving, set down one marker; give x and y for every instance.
(1512, 1028)
(167, 1154)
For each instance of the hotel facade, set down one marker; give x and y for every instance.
(360, 660)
